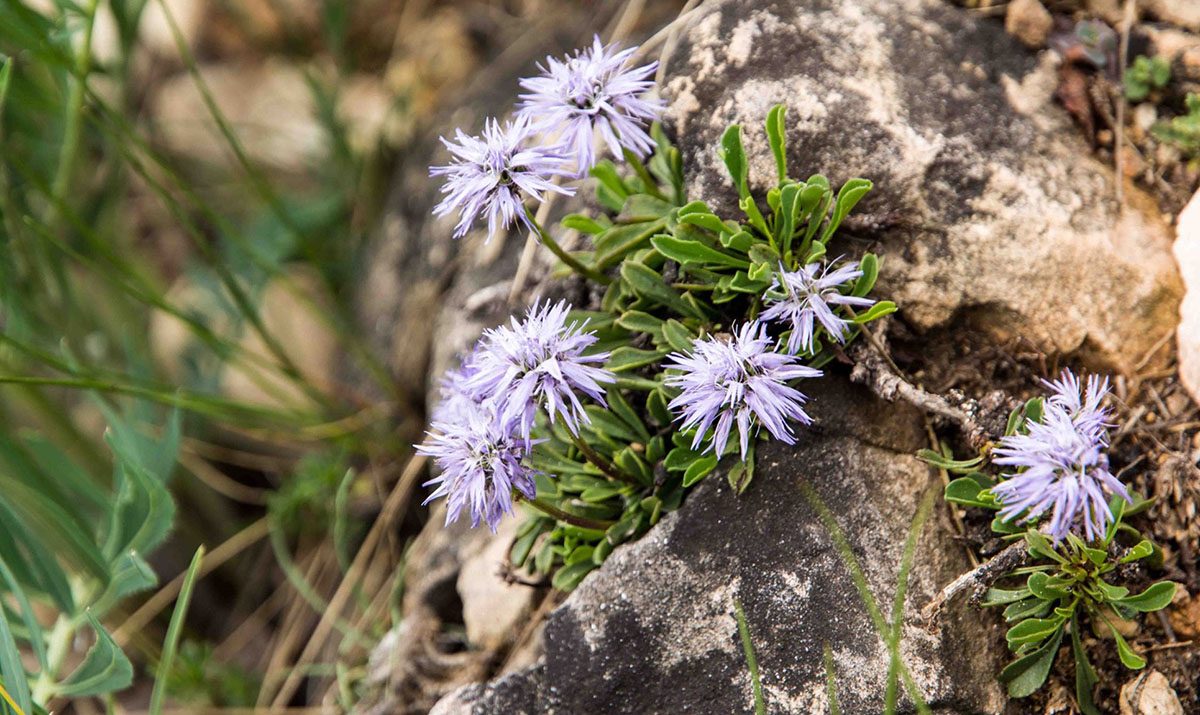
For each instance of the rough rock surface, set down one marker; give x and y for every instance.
(988, 206)
(1150, 694)
(1187, 252)
(654, 630)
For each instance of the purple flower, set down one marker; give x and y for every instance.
(494, 174)
(455, 402)
(480, 466)
(539, 362)
(738, 378)
(801, 296)
(592, 90)
(1060, 463)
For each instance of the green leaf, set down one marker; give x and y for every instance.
(580, 554)
(1027, 673)
(605, 172)
(1140, 551)
(627, 358)
(656, 405)
(678, 336)
(11, 670)
(568, 577)
(706, 221)
(28, 617)
(699, 469)
(1039, 546)
(966, 491)
(1085, 674)
(174, 630)
(738, 241)
(622, 408)
(941, 461)
(869, 265)
(606, 423)
(848, 197)
(754, 215)
(617, 242)
(1157, 596)
(1044, 588)
(694, 207)
(130, 574)
(582, 223)
(1029, 608)
(638, 322)
(104, 669)
(680, 459)
(143, 513)
(1000, 596)
(777, 138)
(1132, 660)
(880, 309)
(1032, 630)
(733, 153)
(651, 286)
(643, 207)
(694, 252)
(789, 208)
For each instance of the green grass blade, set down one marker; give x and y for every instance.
(906, 560)
(760, 707)
(859, 577)
(830, 681)
(11, 670)
(174, 630)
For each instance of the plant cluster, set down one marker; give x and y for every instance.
(1146, 75)
(1182, 131)
(1056, 447)
(601, 419)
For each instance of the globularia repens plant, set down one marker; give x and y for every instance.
(1062, 576)
(599, 420)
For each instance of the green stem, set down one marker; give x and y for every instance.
(603, 464)
(640, 169)
(563, 256)
(573, 519)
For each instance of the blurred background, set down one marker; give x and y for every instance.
(189, 190)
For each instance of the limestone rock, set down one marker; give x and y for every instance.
(1029, 21)
(1187, 253)
(988, 207)
(654, 629)
(1150, 694)
(493, 609)
(1184, 13)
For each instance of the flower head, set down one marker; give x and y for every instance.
(594, 90)
(800, 297)
(1061, 463)
(738, 378)
(455, 402)
(480, 466)
(539, 362)
(494, 173)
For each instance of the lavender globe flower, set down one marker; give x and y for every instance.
(802, 298)
(492, 175)
(594, 90)
(455, 402)
(738, 378)
(1061, 464)
(480, 465)
(539, 362)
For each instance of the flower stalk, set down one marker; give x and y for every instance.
(572, 262)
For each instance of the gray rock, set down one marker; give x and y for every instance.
(988, 209)
(654, 630)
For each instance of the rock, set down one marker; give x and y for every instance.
(1029, 21)
(493, 609)
(654, 629)
(1150, 694)
(1184, 13)
(1187, 253)
(269, 106)
(1111, 11)
(985, 194)
(1184, 616)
